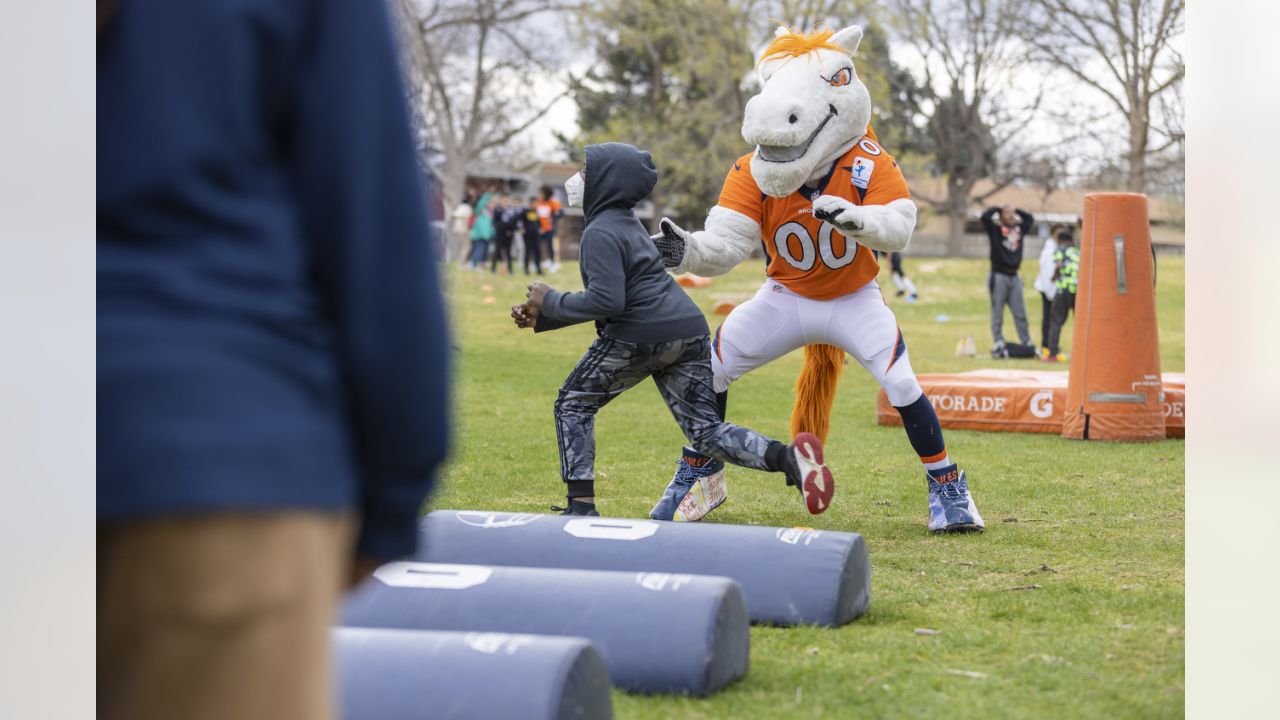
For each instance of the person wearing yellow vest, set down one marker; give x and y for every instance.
(1066, 261)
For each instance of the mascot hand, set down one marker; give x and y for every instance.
(844, 215)
(670, 243)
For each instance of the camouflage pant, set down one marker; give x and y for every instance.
(682, 371)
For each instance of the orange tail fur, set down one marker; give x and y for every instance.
(816, 390)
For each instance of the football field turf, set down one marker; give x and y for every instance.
(1070, 605)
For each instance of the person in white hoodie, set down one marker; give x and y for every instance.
(1044, 283)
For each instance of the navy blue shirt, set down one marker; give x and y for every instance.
(270, 327)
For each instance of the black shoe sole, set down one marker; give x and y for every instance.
(960, 529)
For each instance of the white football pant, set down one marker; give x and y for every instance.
(777, 321)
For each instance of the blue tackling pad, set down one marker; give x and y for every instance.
(420, 674)
(657, 632)
(790, 576)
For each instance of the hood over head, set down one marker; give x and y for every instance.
(617, 175)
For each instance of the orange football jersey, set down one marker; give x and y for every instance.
(546, 209)
(808, 256)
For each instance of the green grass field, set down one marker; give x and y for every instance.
(1095, 530)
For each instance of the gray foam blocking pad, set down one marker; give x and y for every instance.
(657, 632)
(428, 674)
(790, 576)
(420, 674)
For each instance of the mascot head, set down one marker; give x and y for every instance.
(811, 110)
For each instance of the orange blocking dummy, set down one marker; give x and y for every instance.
(1114, 387)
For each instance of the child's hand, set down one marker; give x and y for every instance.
(525, 316)
(537, 292)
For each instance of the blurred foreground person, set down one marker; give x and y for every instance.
(271, 347)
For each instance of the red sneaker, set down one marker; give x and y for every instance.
(810, 474)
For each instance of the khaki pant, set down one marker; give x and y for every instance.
(222, 616)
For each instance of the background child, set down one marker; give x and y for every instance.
(1045, 285)
(900, 279)
(1066, 260)
(549, 212)
(647, 327)
(532, 236)
(481, 229)
(505, 223)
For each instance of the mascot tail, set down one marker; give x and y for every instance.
(816, 390)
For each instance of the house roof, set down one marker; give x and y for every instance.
(1066, 201)
(491, 171)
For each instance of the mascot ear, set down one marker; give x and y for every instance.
(848, 39)
(767, 68)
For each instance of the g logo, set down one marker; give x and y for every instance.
(1042, 404)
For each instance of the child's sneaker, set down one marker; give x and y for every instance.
(806, 470)
(697, 488)
(577, 507)
(951, 508)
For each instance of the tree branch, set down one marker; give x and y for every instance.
(509, 134)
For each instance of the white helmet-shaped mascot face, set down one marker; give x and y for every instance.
(811, 110)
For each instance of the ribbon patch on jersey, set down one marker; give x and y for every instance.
(860, 173)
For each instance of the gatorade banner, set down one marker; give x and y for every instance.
(1174, 399)
(1030, 401)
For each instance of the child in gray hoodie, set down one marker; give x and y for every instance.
(647, 327)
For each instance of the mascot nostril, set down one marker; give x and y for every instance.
(793, 119)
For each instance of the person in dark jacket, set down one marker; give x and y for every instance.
(531, 229)
(506, 220)
(271, 347)
(1007, 229)
(647, 327)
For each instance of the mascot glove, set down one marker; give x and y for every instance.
(671, 242)
(844, 215)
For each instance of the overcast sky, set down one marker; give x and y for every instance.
(1062, 95)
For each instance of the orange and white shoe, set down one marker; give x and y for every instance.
(809, 474)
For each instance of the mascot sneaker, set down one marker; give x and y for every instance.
(951, 508)
(806, 470)
(697, 488)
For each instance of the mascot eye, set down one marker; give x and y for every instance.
(842, 78)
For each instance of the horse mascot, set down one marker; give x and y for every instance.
(819, 194)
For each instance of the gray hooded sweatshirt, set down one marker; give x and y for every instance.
(626, 290)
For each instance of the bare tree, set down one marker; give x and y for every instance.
(1046, 172)
(968, 49)
(475, 67)
(1122, 50)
